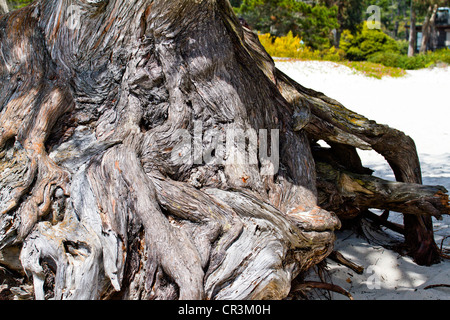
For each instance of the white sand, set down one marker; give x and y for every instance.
(419, 105)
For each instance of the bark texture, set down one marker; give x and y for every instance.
(412, 31)
(428, 28)
(99, 198)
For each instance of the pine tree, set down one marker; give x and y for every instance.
(313, 23)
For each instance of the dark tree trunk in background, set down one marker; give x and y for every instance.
(412, 32)
(428, 27)
(433, 42)
(129, 157)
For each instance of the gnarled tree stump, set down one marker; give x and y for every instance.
(129, 155)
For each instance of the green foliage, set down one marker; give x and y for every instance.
(236, 3)
(419, 61)
(366, 43)
(313, 23)
(288, 46)
(389, 59)
(291, 46)
(16, 4)
(350, 13)
(374, 70)
(403, 46)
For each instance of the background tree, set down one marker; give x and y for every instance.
(424, 10)
(412, 30)
(313, 23)
(350, 15)
(427, 27)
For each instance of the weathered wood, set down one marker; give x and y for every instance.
(96, 190)
(365, 191)
(115, 182)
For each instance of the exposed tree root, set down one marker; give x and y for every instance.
(114, 183)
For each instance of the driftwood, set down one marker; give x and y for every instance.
(135, 162)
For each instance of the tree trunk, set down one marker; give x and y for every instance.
(3, 7)
(433, 31)
(412, 31)
(427, 28)
(134, 155)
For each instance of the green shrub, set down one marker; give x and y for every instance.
(388, 59)
(288, 46)
(291, 46)
(403, 46)
(367, 43)
(419, 61)
(442, 55)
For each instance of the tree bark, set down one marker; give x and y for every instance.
(433, 32)
(129, 155)
(412, 31)
(428, 27)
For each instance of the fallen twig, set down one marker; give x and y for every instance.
(437, 286)
(339, 258)
(323, 285)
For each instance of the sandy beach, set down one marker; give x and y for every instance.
(419, 105)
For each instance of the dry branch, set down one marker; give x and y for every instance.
(338, 257)
(323, 285)
(362, 191)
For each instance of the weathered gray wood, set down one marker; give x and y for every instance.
(342, 190)
(91, 192)
(98, 197)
